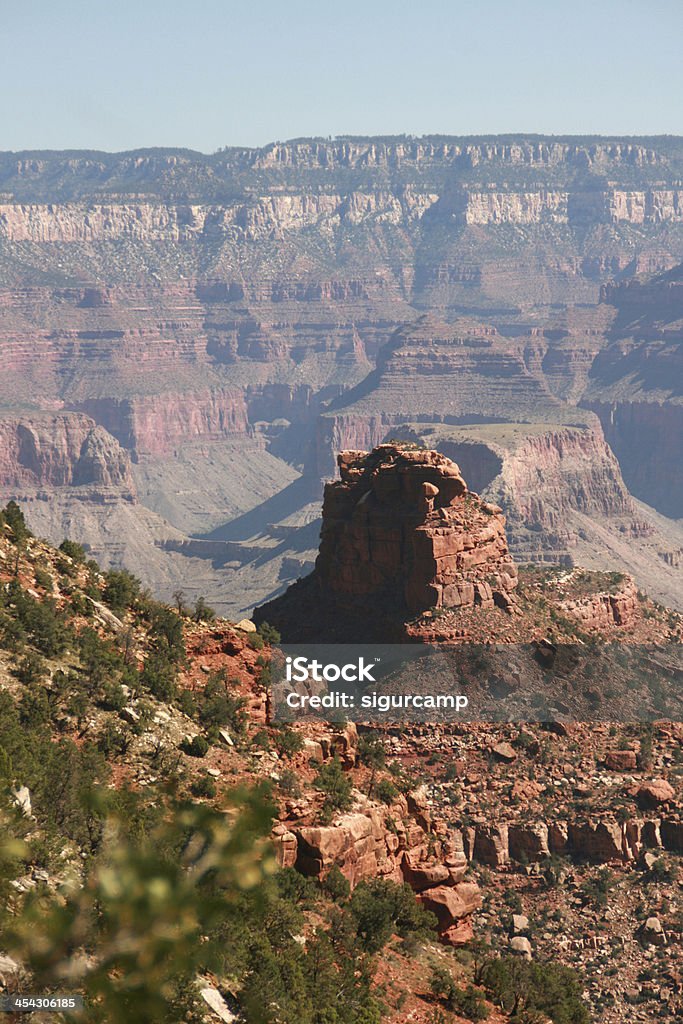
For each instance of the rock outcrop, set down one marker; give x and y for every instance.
(601, 611)
(362, 846)
(403, 522)
(401, 535)
(60, 449)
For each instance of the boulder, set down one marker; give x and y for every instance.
(519, 924)
(520, 946)
(558, 837)
(9, 971)
(418, 805)
(22, 800)
(528, 843)
(491, 845)
(217, 1004)
(450, 904)
(621, 761)
(505, 752)
(652, 932)
(672, 834)
(598, 841)
(285, 849)
(655, 793)
(425, 876)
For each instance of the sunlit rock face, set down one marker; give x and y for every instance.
(402, 523)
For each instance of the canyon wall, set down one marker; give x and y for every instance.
(228, 323)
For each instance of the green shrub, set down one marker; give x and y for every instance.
(467, 1002)
(218, 707)
(14, 518)
(295, 887)
(289, 783)
(158, 677)
(73, 550)
(202, 611)
(121, 589)
(335, 786)
(386, 791)
(186, 703)
(43, 580)
(204, 786)
(195, 747)
(31, 669)
(288, 742)
(336, 885)
(381, 908)
(596, 888)
(268, 633)
(522, 988)
(113, 698)
(166, 632)
(34, 707)
(113, 739)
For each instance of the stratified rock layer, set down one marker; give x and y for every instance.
(402, 526)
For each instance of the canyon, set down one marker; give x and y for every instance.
(187, 341)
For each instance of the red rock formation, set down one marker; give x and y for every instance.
(362, 846)
(402, 521)
(601, 611)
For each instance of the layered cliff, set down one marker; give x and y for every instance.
(636, 386)
(245, 315)
(61, 449)
(401, 525)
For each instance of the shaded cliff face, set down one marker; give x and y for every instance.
(636, 387)
(235, 320)
(61, 449)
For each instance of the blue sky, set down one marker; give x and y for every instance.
(204, 74)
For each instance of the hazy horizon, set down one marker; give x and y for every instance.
(379, 137)
(208, 75)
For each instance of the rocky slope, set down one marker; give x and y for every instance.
(558, 842)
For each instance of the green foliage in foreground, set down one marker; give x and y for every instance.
(150, 915)
(192, 891)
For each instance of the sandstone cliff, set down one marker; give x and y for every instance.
(402, 524)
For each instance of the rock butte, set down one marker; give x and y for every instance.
(401, 526)
(408, 553)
